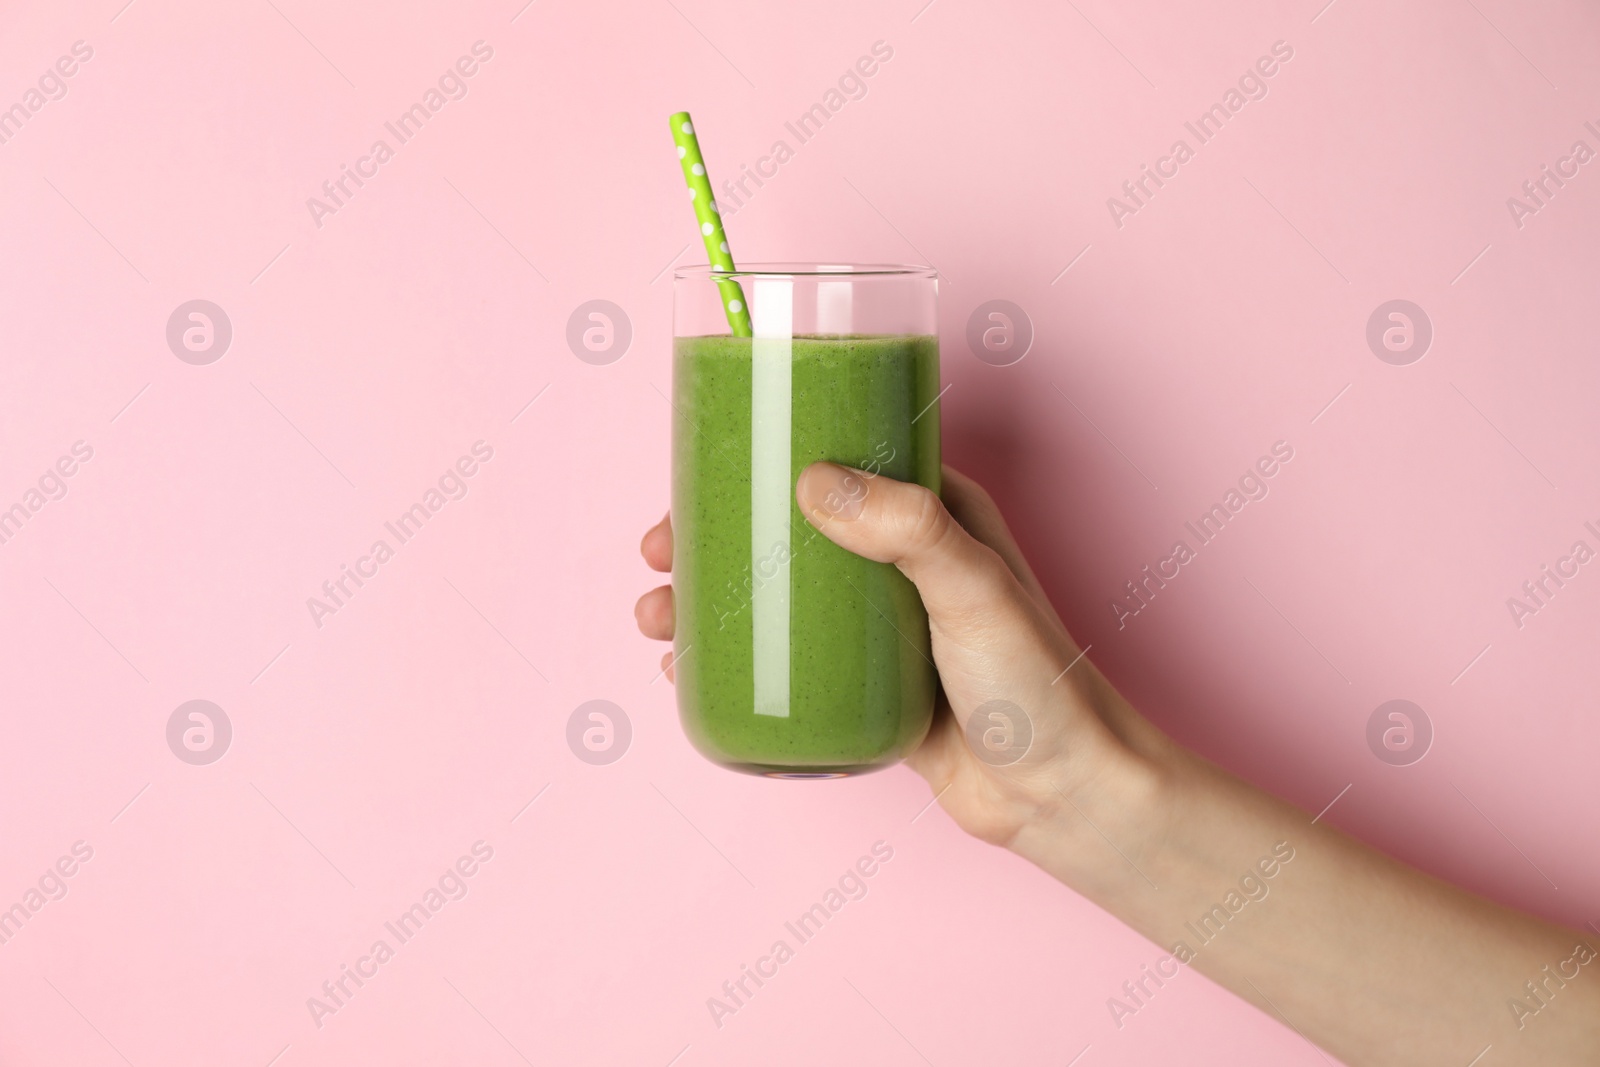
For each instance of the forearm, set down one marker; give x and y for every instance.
(1372, 960)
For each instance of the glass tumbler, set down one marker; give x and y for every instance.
(793, 657)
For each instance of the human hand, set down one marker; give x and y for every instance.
(1109, 805)
(995, 637)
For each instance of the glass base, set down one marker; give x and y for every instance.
(807, 775)
(803, 773)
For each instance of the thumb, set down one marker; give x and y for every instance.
(992, 641)
(965, 585)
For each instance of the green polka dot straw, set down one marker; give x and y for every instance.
(706, 214)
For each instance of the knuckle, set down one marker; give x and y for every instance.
(991, 569)
(975, 505)
(925, 522)
(985, 503)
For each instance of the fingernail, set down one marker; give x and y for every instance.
(829, 491)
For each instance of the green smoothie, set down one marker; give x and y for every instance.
(796, 658)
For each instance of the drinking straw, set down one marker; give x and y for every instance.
(705, 213)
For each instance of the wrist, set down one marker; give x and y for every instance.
(1102, 813)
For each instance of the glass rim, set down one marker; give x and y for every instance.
(705, 271)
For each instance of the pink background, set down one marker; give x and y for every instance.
(368, 354)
